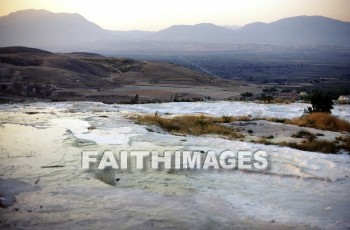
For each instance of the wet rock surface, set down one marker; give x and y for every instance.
(299, 189)
(9, 188)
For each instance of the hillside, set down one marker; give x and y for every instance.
(204, 32)
(33, 73)
(43, 29)
(302, 30)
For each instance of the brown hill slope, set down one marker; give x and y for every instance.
(32, 73)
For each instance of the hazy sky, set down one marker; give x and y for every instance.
(159, 14)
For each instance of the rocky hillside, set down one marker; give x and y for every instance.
(33, 73)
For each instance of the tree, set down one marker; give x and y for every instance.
(176, 98)
(135, 100)
(266, 98)
(320, 102)
(246, 94)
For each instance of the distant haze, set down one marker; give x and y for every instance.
(72, 32)
(154, 15)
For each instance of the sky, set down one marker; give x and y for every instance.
(154, 15)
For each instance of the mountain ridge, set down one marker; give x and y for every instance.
(70, 32)
(203, 32)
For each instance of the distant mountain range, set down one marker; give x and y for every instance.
(41, 28)
(70, 32)
(203, 33)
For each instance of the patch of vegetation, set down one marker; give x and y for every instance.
(344, 143)
(198, 125)
(263, 140)
(190, 125)
(304, 134)
(323, 121)
(226, 119)
(277, 120)
(315, 146)
(246, 95)
(321, 102)
(242, 118)
(266, 98)
(270, 90)
(135, 100)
